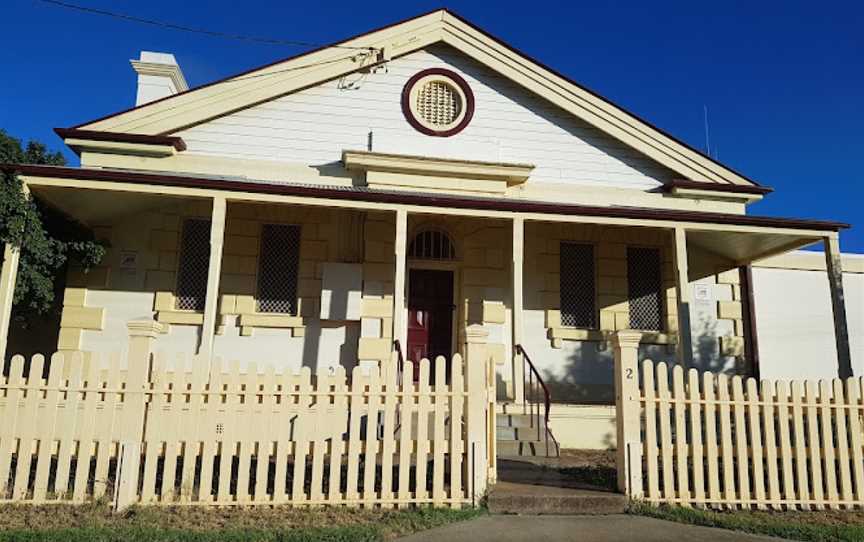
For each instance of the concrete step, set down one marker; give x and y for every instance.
(525, 448)
(517, 433)
(513, 420)
(513, 498)
(525, 487)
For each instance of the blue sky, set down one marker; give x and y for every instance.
(783, 81)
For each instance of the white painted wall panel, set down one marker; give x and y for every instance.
(795, 325)
(313, 126)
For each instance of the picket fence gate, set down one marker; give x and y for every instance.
(155, 433)
(711, 440)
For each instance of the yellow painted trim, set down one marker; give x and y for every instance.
(270, 320)
(117, 147)
(92, 318)
(69, 339)
(512, 173)
(180, 317)
(714, 195)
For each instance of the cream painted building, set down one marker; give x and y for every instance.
(391, 190)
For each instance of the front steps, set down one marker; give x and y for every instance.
(517, 436)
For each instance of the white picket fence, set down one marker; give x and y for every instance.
(167, 436)
(711, 440)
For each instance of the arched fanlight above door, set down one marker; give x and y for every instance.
(432, 245)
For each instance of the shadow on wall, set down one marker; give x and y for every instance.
(588, 376)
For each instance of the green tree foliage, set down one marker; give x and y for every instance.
(48, 240)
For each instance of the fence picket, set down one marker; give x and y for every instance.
(337, 442)
(665, 433)
(370, 455)
(457, 402)
(814, 446)
(389, 427)
(301, 438)
(69, 424)
(87, 431)
(48, 428)
(741, 459)
(711, 449)
(359, 381)
(801, 470)
(854, 391)
(726, 449)
(406, 427)
(768, 419)
(650, 454)
(756, 457)
(423, 413)
(842, 441)
(681, 449)
(27, 435)
(695, 426)
(322, 405)
(829, 466)
(440, 438)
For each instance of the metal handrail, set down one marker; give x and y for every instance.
(533, 373)
(397, 346)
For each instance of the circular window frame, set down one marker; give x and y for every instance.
(449, 77)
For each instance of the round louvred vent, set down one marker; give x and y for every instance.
(438, 102)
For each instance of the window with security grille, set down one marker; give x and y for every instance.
(431, 245)
(194, 265)
(645, 286)
(578, 307)
(277, 268)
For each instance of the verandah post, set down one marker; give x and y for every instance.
(629, 441)
(834, 268)
(8, 275)
(479, 432)
(142, 336)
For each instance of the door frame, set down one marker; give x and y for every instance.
(432, 265)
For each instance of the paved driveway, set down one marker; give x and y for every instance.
(578, 528)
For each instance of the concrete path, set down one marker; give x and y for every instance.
(578, 528)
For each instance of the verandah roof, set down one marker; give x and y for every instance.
(739, 239)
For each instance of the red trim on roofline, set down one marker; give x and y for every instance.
(97, 135)
(421, 199)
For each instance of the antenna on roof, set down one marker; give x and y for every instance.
(707, 138)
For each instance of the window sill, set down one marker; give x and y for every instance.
(190, 318)
(560, 334)
(248, 322)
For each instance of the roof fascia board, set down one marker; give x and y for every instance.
(204, 103)
(503, 207)
(585, 105)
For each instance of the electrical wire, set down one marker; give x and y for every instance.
(212, 33)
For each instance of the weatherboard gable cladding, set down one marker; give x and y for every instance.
(362, 112)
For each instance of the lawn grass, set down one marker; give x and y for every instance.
(816, 526)
(96, 523)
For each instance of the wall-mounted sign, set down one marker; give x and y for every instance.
(702, 294)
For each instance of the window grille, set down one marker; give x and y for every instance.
(277, 268)
(645, 285)
(431, 245)
(194, 265)
(438, 103)
(578, 298)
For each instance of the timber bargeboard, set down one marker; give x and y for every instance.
(192, 108)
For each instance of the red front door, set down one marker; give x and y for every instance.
(430, 316)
